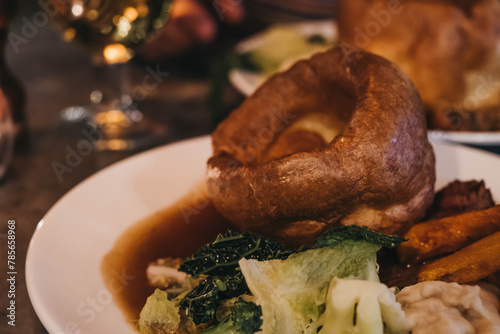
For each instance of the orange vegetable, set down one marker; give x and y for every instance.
(447, 235)
(468, 265)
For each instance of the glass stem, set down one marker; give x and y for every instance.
(113, 86)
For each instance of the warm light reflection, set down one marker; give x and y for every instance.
(96, 96)
(130, 13)
(116, 53)
(117, 144)
(40, 224)
(123, 27)
(69, 34)
(77, 9)
(142, 10)
(112, 119)
(92, 15)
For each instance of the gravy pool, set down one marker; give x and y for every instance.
(176, 231)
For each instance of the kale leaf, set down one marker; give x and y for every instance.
(219, 260)
(333, 237)
(203, 300)
(245, 318)
(221, 257)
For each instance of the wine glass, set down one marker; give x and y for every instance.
(111, 30)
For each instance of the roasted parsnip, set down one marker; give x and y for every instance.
(468, 265)
(447, 235)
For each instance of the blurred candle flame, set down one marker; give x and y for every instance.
(131, 14)
(69, 34)
(116, 54)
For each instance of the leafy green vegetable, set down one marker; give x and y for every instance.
(317, 38)
(281, 44)
(292, 292)
(220, 258)
(232, 286)
(202, 301)
(226, 326)
(302, 276)
(337, 235)
(245, 318)
(159, 315)
(245, 62)
(355, 306)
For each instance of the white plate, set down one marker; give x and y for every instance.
(246, 82)
(64, 257)
(491, 138)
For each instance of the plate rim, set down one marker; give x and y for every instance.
(484, 138)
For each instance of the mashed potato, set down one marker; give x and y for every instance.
(440, 307)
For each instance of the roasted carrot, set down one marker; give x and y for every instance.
(447, 235)
(468, 265)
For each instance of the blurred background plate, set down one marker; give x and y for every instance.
(248, 81)
(466, 137)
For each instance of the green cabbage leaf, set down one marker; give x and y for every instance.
(292, 292)
(160, 315)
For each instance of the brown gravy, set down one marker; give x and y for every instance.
(176, 231)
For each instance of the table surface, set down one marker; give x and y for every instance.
(56, 75)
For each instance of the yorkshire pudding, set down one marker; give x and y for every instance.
(378, 170)
(449, 48)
